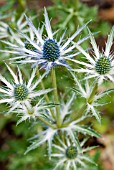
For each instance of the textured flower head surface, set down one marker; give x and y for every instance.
(46, 51)
(69, 156)
(7, 28)
(101, 65)
(71, 129)
(20, 92)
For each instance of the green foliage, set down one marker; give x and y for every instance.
(95, 158)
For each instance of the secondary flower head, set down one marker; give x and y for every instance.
(101, 65)
(70, 156)
(46, 51)
(7, 28)
(20, 92)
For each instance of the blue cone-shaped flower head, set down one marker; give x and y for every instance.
(51, 51)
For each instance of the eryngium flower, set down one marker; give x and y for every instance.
(46, 52)
(101, 65)
(19, 92)
(69, 156)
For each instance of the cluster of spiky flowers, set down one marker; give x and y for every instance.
(62, 126)
(70, 127)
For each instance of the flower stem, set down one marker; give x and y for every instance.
(75, 17)
(76, 4)
(82, 110)
(94, 90)
(22, 3)
(74, 116)
(58, 117)
(46, 122)
(46, 96)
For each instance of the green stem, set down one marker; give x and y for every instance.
(74, 117)
(89, 100)
(54, 84)
(46, 96)
(22, 3)
(46, 122)
(75, 16)
(64, 24)
(76, 3)
(91, 97)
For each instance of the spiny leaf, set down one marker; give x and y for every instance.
(87, 130)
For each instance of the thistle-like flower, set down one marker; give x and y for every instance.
(101, 65)
(69, 156)
(19, 92)
(46, 52)
(71, 129)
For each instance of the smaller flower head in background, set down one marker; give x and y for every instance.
(101, 65)
(19, 92)
(70, 156)
(6, 28)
